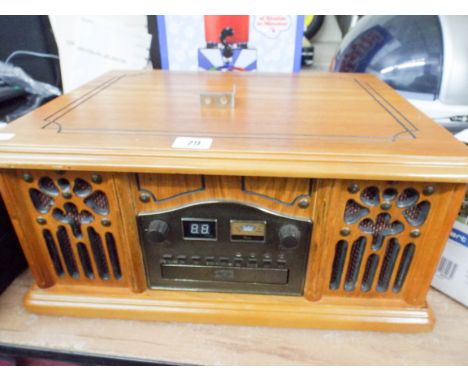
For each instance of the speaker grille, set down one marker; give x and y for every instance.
(407, 198)
(370, 196)
(85, 261)
(357, 252)
(67, 252)
(82, 188)
(99, 255)
(338, 264)
(388, 263)
(77, 226)
(369, 273)
(53, 252)
(114, 258)
(354, 212)
(98, 202)
(403, 269)
(41, 202)
(417, 215)
(381, 228)
(70, 215)
(47, 186)
(379, 221)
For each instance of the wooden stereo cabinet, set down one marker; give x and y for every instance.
(311, 200)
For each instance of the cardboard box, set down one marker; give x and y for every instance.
(451, 276)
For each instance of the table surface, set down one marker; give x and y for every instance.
(234, 345)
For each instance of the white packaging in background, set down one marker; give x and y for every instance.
(90, 46)
(451, 276)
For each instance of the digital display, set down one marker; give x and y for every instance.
(199, 229)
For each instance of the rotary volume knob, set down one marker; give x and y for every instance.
(289, 236)
(157, 231)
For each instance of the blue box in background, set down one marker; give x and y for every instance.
(231, 43)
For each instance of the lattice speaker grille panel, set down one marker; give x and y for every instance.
(77, 217)
(377, 242)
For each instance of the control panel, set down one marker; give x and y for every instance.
(224, 246)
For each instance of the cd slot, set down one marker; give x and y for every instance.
(224, 274)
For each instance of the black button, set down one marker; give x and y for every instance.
(210, 260)
(252, 263)
(289, 236)
(157, 231)
(223, 261)
(238, 262)
(267, 263)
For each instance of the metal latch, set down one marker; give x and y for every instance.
(218, 100)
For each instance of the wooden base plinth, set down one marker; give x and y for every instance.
(219, 308)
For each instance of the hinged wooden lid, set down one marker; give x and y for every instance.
(330, 125)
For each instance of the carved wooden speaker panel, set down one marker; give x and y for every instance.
(290, 196)
(76, 222)
(379, 238)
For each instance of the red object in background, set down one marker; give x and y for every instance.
(239, 24)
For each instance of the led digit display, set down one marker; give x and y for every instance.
(203, 229)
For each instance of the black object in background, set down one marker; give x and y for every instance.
(155, 53)
(307, 58)
(31, 33)
(35, 34)
(12, 261)
(314, 26)
(8, 93)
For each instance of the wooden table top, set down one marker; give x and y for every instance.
(234, 345)
(334, 125)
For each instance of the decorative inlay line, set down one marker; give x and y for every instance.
(382, 101)
(156, 200)
(408, 126)
(248, 192)
(74, 104)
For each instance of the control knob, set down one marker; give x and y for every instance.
(289, 236)
(157, 231)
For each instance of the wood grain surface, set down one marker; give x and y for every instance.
(281, 195)
(235, 345)
(76, 293)
(230, 308)
(293, 144)
(307, 125)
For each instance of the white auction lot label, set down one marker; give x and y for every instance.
(6, 136)
(196, 143)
